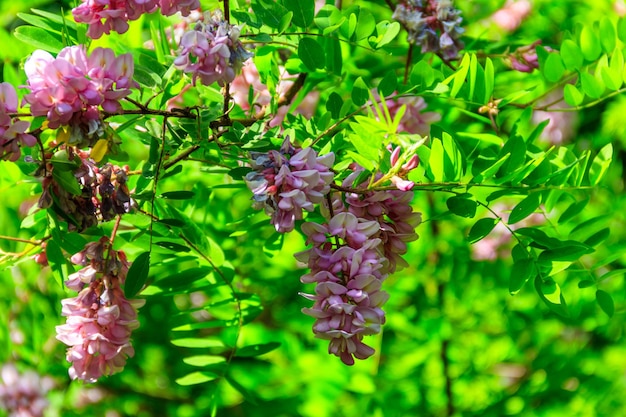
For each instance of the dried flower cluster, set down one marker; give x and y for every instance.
(100, 193)
(100, 319)
(435, 25)
(114, 15)
(211, 51)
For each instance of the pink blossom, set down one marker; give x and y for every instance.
(287, 182)
(23, 394)
(170, 7)
(12, 129)
(510, 16)
(348, 277)
(212, 51)
(69, 89)
(100, 319)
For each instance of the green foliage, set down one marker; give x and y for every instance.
(222, 332)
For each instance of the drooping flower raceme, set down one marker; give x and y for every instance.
(288, 181)
(70, 88)
(23, 394)
(348, 276)
(104, 16)
(12, 129)
(212, 52)
(435, 25)
(392, 210)
(100, 319)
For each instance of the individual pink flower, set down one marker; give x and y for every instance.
(100, 319)
(185, 7)
(23, 394)
(287, 182)
(212, 52)
(12, 129)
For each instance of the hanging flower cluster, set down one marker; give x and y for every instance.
(114, 15)
(435, 25)
(288, 181)
(23, 395)
(348, 275)
(12, 129)
(71, 88)
(87, 194)
(211, 51)
(100, 319)
(524, 58)
(352, 254)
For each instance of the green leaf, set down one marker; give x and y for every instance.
(311, 53)
(571, 55)
(334, 58)
(550, 292)
(67, 181)
(366, 24)
(521, 272)
(303, 11)
(598, 237)
(600, 164)
(524, 208)
(422, 75)
(572, 95)
(590, 85)
(137, 275)
(285, 21)
(388, 84)
(198, 343)
(333, 105)
(194, 378)
(204, 360)
(270, 12)
(459, 77)
(178, 195)
(574, 209)
(553, 69)
(621, 29)
(173, 246)
(590, 44)
(39, 38)
(360, 92)
(489, 80)
(256, 350)
(389, 32)
(481, 229)
(462, 206)
(605, 301)
(608, 35)
(57, 260)
(570, 252)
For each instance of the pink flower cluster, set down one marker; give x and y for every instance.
(392, 210)
(70, 88)
(348, 276)
(23, 395)
(12, 129)
(104, 16)
(288, 181)
(212, 51)
(100, 319)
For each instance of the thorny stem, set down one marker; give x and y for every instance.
(115, 227)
